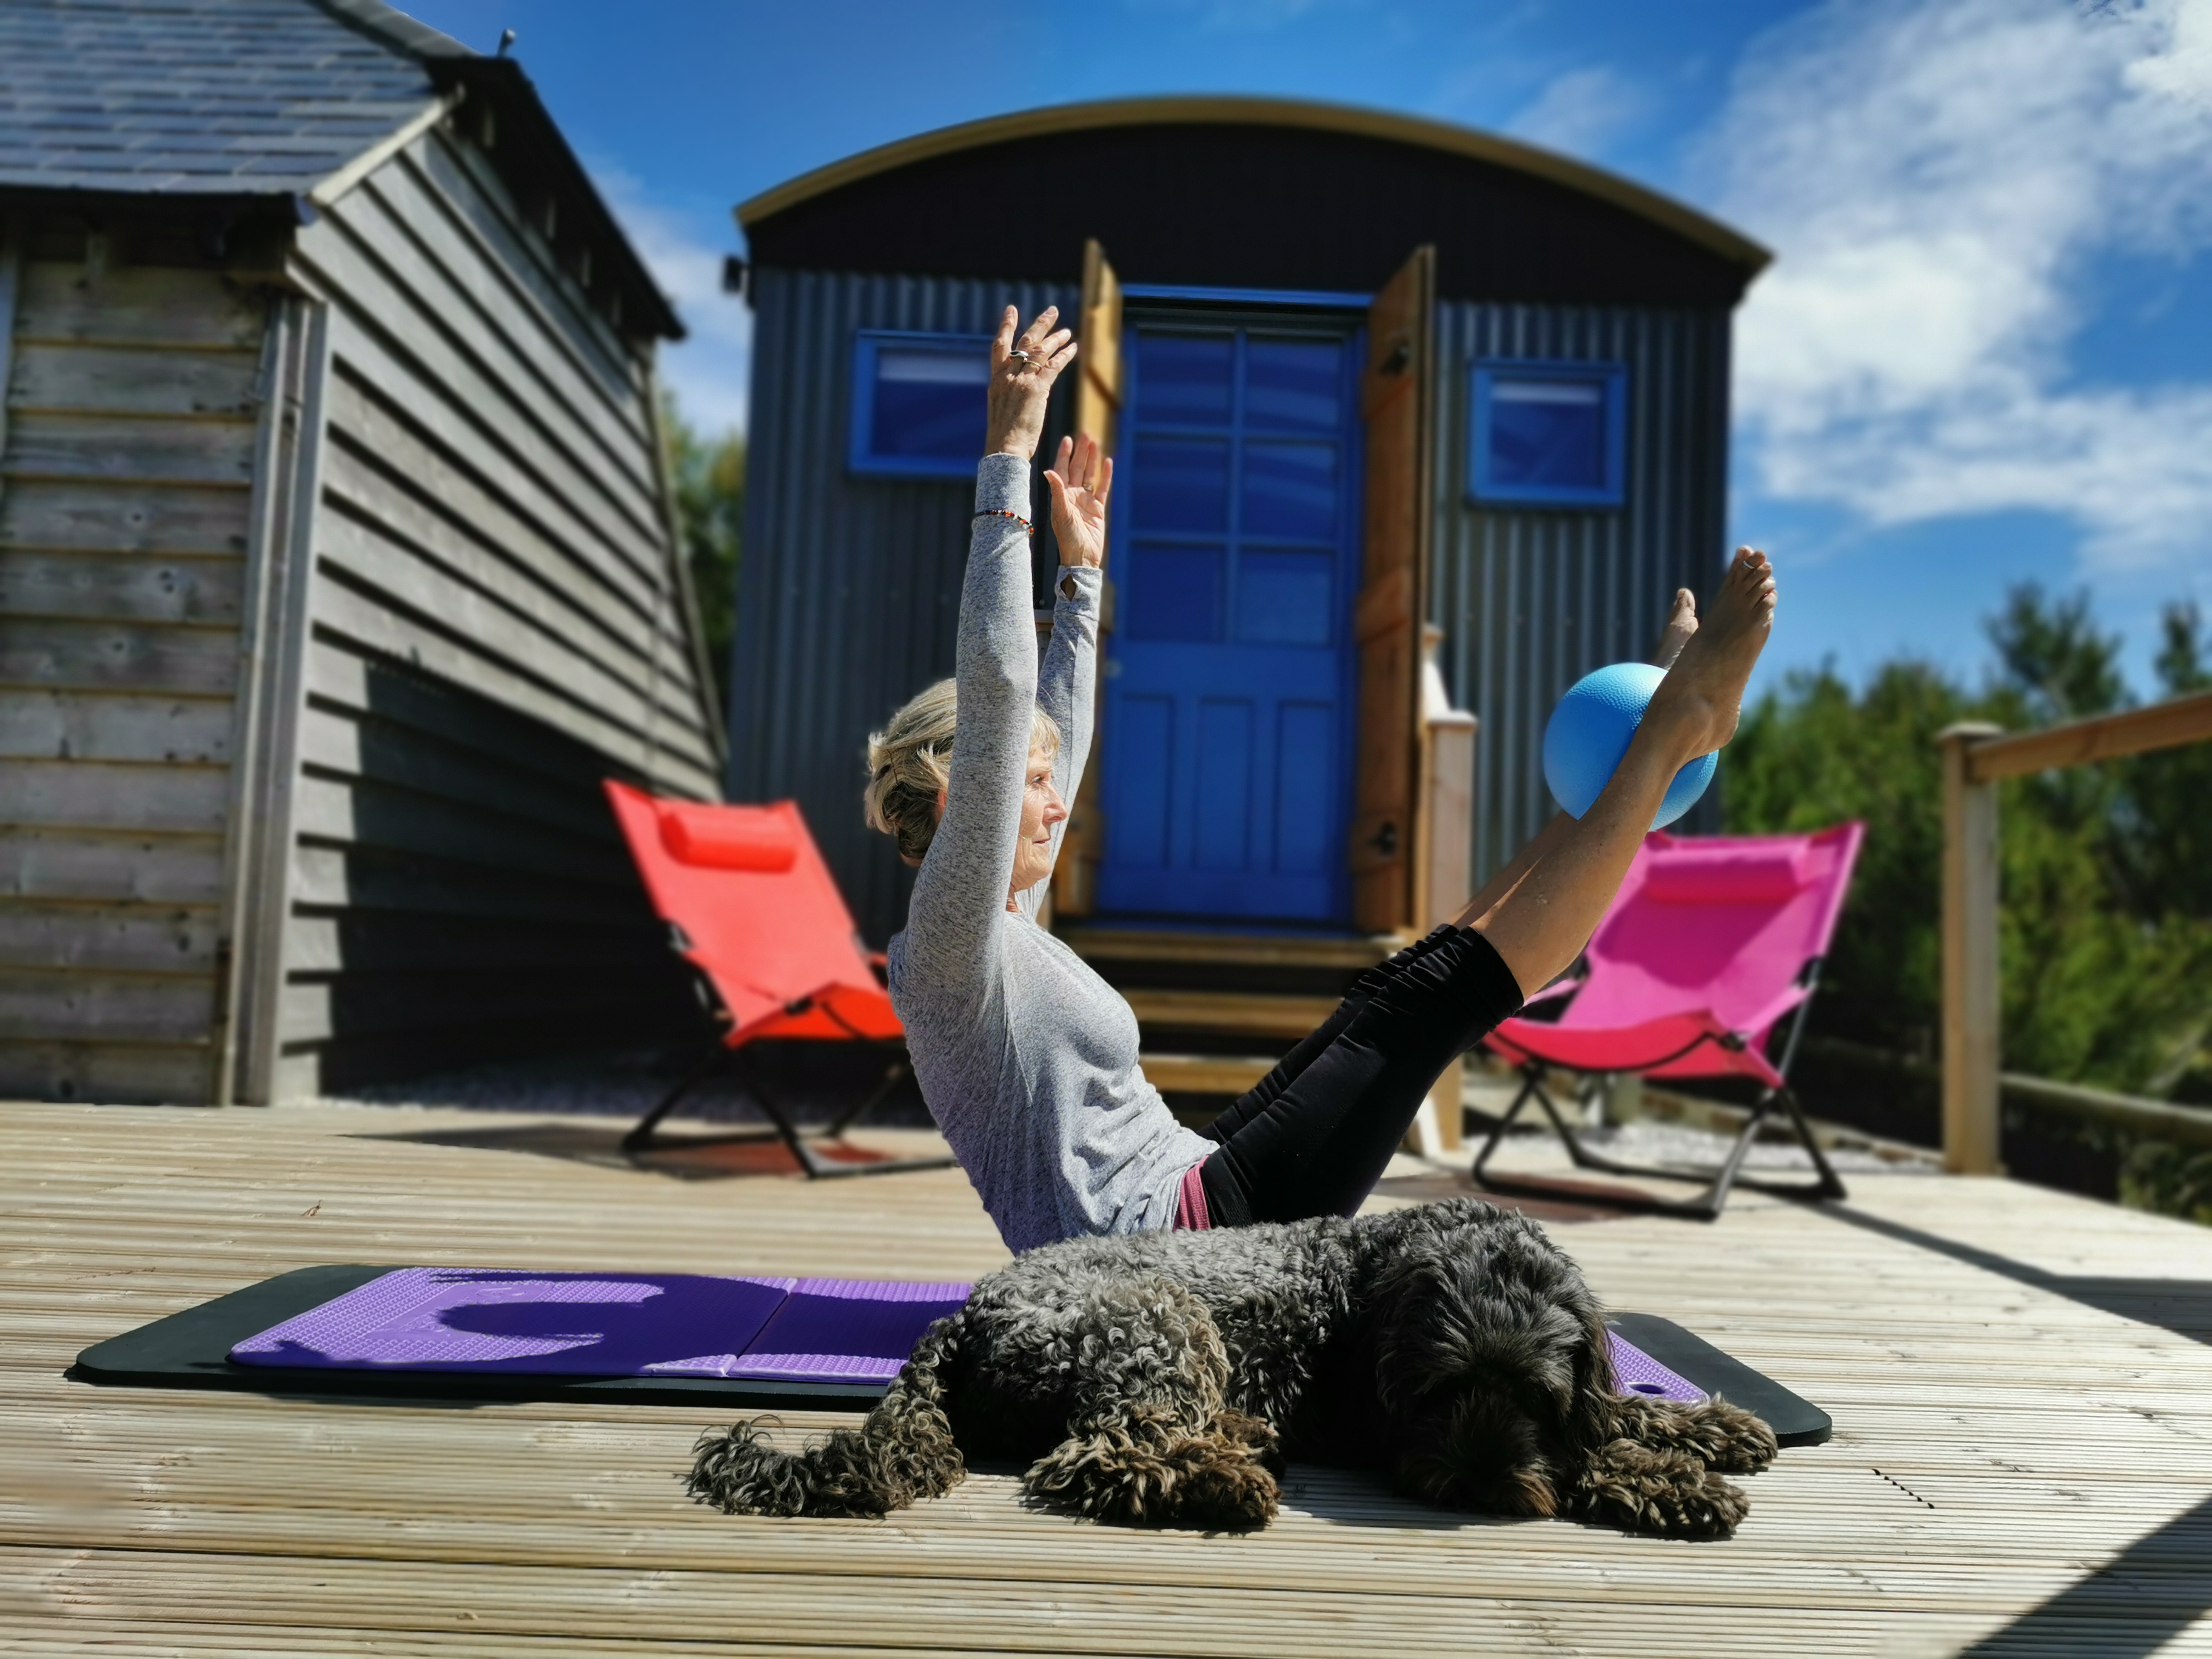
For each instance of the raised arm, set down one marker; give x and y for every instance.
(1081, 478)
(961, 892)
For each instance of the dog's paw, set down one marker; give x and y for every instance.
(1258, 1434)
(1209, 1481)
(1718, 1435)
(1707, 1508)
(1726, 1437)
(1233, 1492)
(1667, 1492)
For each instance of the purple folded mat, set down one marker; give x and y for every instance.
(613, 1325)
(1637, 1372)
(476, 1320)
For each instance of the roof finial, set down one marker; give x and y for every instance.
(506, 39)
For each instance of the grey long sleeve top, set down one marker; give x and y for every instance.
(1027, 1058)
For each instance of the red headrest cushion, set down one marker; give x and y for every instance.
(1725, 875)
(729, 837)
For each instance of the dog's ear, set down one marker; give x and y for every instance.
(1589, 1421)
(1449, 1321)
(1410, 1347)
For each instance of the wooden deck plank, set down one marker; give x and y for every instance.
(2016, 1458)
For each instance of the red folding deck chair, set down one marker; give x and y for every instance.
(751, 907)
(1711, 943)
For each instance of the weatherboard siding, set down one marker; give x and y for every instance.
(850, 590)
(495, 623)
(132, 418)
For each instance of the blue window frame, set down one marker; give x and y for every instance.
(918, 404)
(1548, 434)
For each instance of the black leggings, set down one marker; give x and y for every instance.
(1314, 1137)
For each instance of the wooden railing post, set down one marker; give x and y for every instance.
(1444, 860)
(1970, 955)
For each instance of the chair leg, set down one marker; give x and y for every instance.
(1707, 1206)
(819, 1168)
(895, 1074)
(1532, 1088)
(1830, 1185)
(641, 1138)
(1528, 1085)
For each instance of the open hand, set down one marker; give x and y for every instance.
(1021, 374)
(1081, 478)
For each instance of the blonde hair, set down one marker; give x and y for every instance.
(910, 761)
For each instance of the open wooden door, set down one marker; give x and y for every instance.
(1097, 408)
(1394, 397)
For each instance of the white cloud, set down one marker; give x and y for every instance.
(710, 370)
(1581, 112)
(1936, 176)
(2183, 71)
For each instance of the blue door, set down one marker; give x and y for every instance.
(1227, 727)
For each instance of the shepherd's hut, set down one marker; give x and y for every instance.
(337, 564)
(1367, 378)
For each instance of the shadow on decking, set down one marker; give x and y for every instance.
(2157, 1587)
(699, 1158)
(2129, 1608)
(2182, 1306)
(1447, 1183)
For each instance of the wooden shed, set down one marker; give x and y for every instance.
(1367, 378)
(337, 561)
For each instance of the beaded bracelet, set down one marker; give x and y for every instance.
(1028, 528)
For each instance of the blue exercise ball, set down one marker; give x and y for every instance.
(1588, 733)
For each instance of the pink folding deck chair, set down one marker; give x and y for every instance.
(752, 908)
(1713, 943)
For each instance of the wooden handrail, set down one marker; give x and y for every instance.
(2108, 737)
(1974, 758)
(2156, 1120)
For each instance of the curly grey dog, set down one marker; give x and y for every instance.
(1158, 1379)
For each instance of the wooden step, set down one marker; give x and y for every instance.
(1204, 1075)
(1230, 1013)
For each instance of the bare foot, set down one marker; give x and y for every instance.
(1704, 687)
(1681, 623)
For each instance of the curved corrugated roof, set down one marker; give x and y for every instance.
(1351, 121)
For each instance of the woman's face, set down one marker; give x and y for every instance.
(1041, 810)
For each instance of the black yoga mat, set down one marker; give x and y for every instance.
(191, 1349)
(1796, 1420)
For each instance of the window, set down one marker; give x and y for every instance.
(918, 404)
(1548, 434)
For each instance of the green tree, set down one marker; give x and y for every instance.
(2165, 850)
(709, 476)
(1816, 754)
(2105, 944)
(2051, 653)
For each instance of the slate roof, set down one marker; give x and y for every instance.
(182, 97)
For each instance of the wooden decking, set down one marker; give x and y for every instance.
(2021, 1381)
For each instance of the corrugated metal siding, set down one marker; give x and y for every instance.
(494, 624)
(130, 418)
(1530, 601)
(849, 590)
(848, 593)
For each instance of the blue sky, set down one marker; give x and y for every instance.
(1984, 353)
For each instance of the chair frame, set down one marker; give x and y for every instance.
(1707, 1206)
(783, 1126)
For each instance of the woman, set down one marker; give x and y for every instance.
(1027, 1058)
